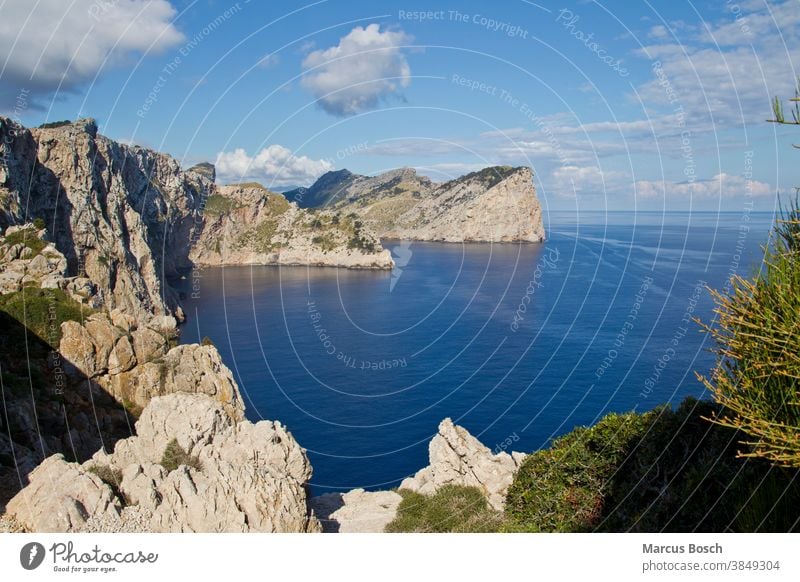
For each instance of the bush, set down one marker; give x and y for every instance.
(563, 488)
(206, 341)
(43, 311)
(26, 236)
(174, 456)
(665, 470)
(454, 508)
(758, 347)
(39, 223)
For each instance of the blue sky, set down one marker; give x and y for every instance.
(615, 105)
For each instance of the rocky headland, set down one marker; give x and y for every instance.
(496, 204)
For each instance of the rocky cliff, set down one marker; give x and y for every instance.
(112, 210)
(497, 204)
(247, 224)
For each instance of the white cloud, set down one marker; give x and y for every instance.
(269, 61)
(720, 186)
(276, 166)
(727, 71)
(56, 45)
(366, 67)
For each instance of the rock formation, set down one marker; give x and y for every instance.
(357, 511)
(457, 457)
(234, 476)
(246, 224)
(110, 208)
(496, 204)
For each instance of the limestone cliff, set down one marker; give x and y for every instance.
(496, 204)
(112, 209)
(247, 224)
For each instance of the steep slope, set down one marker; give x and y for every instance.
(327, 189)
(497, 204)
(113, 210)
(248, 224)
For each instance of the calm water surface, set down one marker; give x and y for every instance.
(517, 343)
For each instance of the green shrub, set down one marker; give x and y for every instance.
(665, 470)
(26, 236)
(453, 508)
(174, 456)
(217, 205)
(54, 124)
(757, 376)
(39, 223)
(43, 311)
(563, 488)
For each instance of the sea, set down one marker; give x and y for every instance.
(518, 343)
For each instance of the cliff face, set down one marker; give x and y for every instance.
(247, 224)
(111, 209)
(497, 204)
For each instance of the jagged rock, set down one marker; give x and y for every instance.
(123, 320)
(60, 497)
(122, 357)
(247, 478)
(457, 457)
(112, 208)
(357, 511)
(186, 368)
(148, 344)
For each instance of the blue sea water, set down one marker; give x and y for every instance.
(518, 343)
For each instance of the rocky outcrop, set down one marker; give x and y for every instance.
(246, 224)
(457, 457)
(497, 204)
(235, 476)
(110, 209)
(357, 511)
(136, 363)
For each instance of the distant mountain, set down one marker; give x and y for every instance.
(327, 189)
(496, 204)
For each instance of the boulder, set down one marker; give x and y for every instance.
(60, 497)
(457, 457)
(357, 511)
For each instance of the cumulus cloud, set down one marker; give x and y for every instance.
(722, 185)
(365, 68)
(52, 45)
(276, 166)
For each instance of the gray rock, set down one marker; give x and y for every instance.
(60, 497)
(357, 511)
(457, 457)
